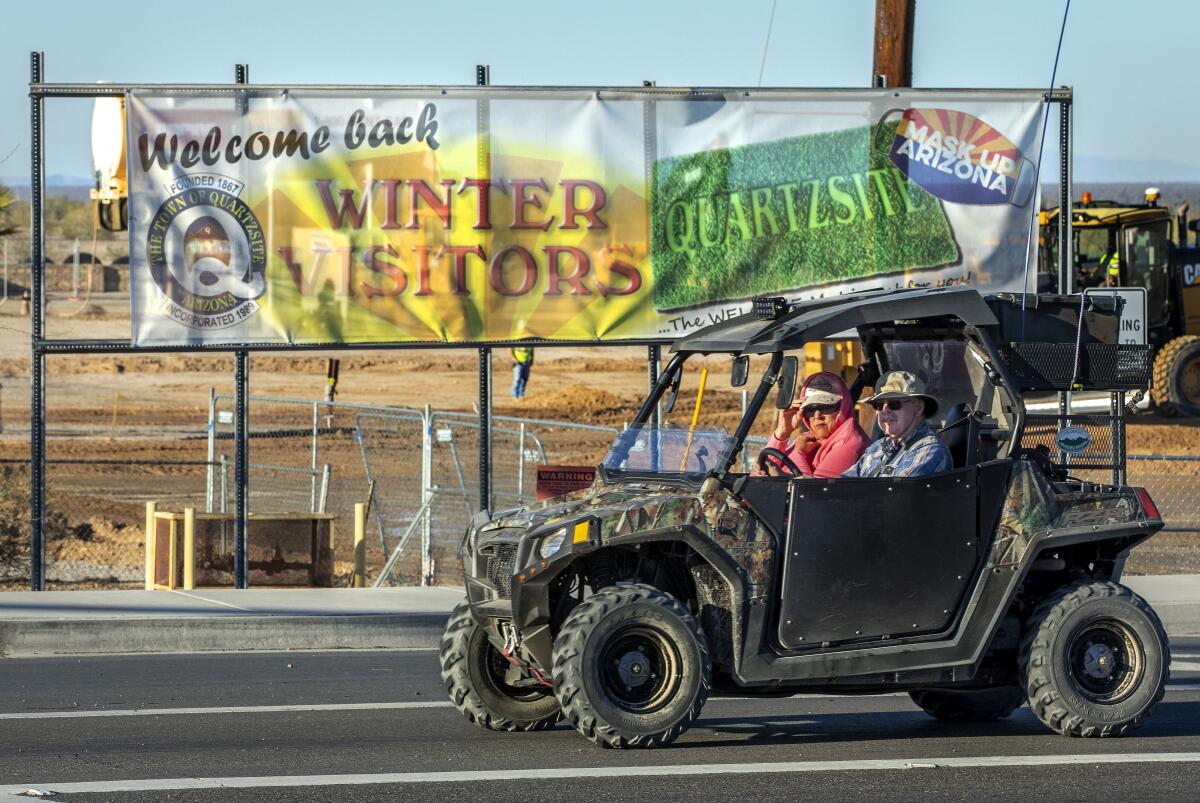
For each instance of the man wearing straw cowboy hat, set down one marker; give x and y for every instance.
(908, 447)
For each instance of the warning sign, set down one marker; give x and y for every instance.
(558, 480)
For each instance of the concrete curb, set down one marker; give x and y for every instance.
(1179, 618)
(113, 622)
(23, 638)
(1175, 598)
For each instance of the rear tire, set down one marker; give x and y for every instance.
(474, 673)
(1094, 660)
(974, 705)
(631, 667)
(1177, 376)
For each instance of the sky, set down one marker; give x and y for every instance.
(1131, 64)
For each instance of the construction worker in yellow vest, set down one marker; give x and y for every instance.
(1111, 264)
(522, 365)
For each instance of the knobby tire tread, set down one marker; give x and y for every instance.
(571, 642)
(1037, 648)
(453, 656)
(1161, 388)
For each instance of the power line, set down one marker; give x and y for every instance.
(767, 44)
(1038, 175)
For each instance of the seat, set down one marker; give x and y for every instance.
(960, 434)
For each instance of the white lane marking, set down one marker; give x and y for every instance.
(213, 601)
(525, 774)
(238, 709)
(274, 709)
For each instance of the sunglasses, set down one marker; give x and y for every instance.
(823, 409)
(891, 404)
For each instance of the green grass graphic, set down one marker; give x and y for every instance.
(733, 223)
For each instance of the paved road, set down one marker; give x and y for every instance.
(277, 726)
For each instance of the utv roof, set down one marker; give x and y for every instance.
(824, 317)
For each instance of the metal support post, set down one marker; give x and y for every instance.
(212, 449)
(241, 75)
(652, 358)
(314, 458)
(1068, 154)
(649, 156)
(75, 272)
(485, 429)
(521, 461)
(224, 487)
(483, 157)
(241, 473)
(323, 496)
(241, 446)
(1066, 240)
(427, 491)
(656, 413)
(1116, 431)
(37, 438)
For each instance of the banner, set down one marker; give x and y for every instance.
(463, 216)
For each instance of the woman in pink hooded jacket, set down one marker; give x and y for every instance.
(820, 432)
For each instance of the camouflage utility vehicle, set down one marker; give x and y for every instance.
(620, 607)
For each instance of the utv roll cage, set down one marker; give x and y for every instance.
(1024, 342)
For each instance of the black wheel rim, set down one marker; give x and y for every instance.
(640, 669)
(1189, 381)
(491, 669)
(1105, 660)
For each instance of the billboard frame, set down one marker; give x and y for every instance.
(40, 346)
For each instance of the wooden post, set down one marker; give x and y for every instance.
(172, 554)
(360, 545)
(189, 548)
(893, 42)
(149, 546)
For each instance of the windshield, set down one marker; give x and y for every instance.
(669, 450)
(1092, 245)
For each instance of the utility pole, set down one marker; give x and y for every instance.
(892, 65)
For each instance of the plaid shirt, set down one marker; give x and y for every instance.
(921, 453)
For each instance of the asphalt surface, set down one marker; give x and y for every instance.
(76, 725)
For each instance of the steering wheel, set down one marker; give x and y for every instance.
(779, 457)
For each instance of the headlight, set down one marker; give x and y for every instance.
(552, 542)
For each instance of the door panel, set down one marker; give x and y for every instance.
(875, 558)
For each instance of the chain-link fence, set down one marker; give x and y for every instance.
(418, 469)
(1174, 483)
(434, 512)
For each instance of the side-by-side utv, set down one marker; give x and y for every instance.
(975, 590)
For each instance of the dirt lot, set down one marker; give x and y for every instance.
(156, 408)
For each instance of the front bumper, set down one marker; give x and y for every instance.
(489, 570)
(509, 585)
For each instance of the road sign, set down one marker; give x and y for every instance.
(1133, 312)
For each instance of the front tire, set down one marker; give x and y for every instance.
(474, 673)
(974, 705)
(1094, 660)
(1177, 376)
(631, 667)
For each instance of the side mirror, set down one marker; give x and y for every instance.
(669, 405)
(787, 382)
(740, 372)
